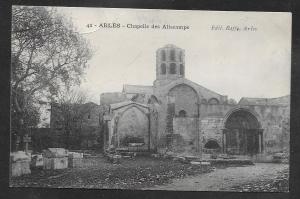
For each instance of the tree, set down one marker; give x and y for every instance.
(47, 55)
(70, 112)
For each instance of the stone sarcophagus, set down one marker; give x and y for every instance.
(19, 163)
(55, 158)
(37, 161)
(75, 159)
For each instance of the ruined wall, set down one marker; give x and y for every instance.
(91, 116)
(275, 122)
(133, 127)
(185, 129)
(81, 115)
(111, 98)
(185, 99)
(129, 124)
(211, 129)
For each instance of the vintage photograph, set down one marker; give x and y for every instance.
(149, 99)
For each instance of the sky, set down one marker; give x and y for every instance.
(233, 63)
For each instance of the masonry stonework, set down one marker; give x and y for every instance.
(179, 115)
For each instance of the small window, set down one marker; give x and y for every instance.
(213, 101)
(181, 69)
(172, 55)
(89, 116)
(163, 55)
(163, 69)
(182, 113)
(172, 68)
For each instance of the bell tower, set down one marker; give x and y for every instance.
(170, 64)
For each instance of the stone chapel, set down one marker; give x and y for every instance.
(178, 115)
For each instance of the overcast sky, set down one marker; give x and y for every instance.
(233, 63)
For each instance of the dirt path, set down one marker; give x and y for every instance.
(223, 179)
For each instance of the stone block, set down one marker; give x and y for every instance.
(55, 153)
(195, 163)
(56, 163)
(20, 167)
(181, 159)
(75, 155)
(205, 163)
(20, 155)
(75, 162)
(37, 161)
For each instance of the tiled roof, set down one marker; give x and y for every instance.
(284, 100)
(126, 103)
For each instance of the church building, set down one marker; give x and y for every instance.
(178, 115)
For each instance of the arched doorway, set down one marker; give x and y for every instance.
(133, 127)
(212, 146)
(242, 134)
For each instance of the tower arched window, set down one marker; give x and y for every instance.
(172, 68)
(163, 55)
(172, 55)
(163, 69)
(181, 69)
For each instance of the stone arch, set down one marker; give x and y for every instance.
(212, 144)
(242, 134)
(133, 105)
(182, 113)
(231, 111)
(153, 100)
(213, 101)
(180, 82)
(182, 94)
(133, 126)
(203, 101)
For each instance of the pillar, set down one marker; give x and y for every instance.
(224, 140)
(259, 142)
(237, 133)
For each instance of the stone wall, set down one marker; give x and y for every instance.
(111, 98)
(275, 122)
(129, 124)
(186, 129)
(211, 129)
(133, 126)
(185, 99)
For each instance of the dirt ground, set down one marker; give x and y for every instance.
(99, 173)
(157, 174)
(259, 177)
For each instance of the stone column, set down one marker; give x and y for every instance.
(224, 140)
(237, 133)
(259, 142)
